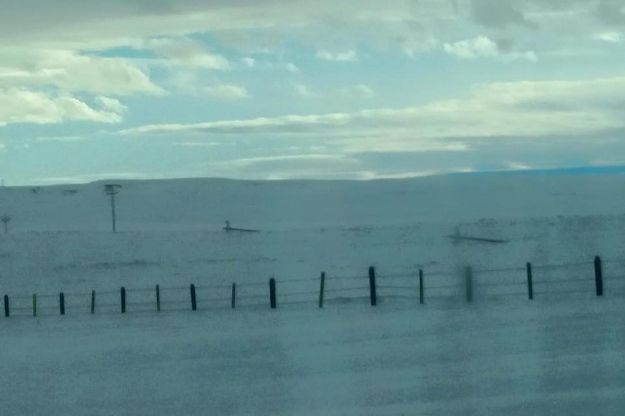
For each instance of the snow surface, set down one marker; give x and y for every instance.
(560, 354)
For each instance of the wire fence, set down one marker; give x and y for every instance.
(589, 278)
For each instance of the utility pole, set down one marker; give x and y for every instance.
(5, 220)
(112, 190)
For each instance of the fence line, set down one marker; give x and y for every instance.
(421, 286)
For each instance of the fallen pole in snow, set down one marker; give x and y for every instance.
(479, 239)
(228, 228)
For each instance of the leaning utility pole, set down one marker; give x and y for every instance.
(112, 190)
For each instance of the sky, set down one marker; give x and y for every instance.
(281, 89)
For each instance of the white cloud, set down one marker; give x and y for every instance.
(187, 53)
(111, 104)
(23, 106)
(226, 92)
(611, 37)
(346, 56)
(540, 109)
(483, 47)
(480, 46)
(72, 72)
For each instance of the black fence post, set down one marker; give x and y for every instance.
(234, 296)
(158, 298)
(7, 311)
(193, 299)
(62, 303)
(34, 304)
(322, 288)
(421, 294)
(92, 302)
(372, 288)
(598, 276)
(530, 282)
(468, 275)
(122, 294)
(272, 293)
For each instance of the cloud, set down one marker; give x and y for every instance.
(73, 72)
(611, 37)
(186, 52)
(111, 104)
(526, 109)
(23, 106)
(483, 47)
(499, 13)
(226, 92)
(346, 56)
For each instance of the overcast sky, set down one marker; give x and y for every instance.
(307, 89)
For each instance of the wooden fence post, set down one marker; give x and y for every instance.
(122, 294)
(34, 304)
(372, 288)
(193, 299)
(92, 302)
(468, 275)
(530, 282)
(272, 293)
(233, 299)
(158, 298)
(598, 276)
(62, 303)
(322, 288)
(7, 311)
(421, 294)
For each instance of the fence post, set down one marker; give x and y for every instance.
(598, 276)
(272, 293)
(122, 294)
(34, 304)
(158, 298)
(372, 289)
(7, 311)
(193, 299)
(468, 275)
(321, 288)
(421, 294)
(234, 295)
(92, 302)
(530, 282)
(62, 303)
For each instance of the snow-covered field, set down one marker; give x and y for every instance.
(560, 354)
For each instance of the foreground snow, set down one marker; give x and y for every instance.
(512, 358)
